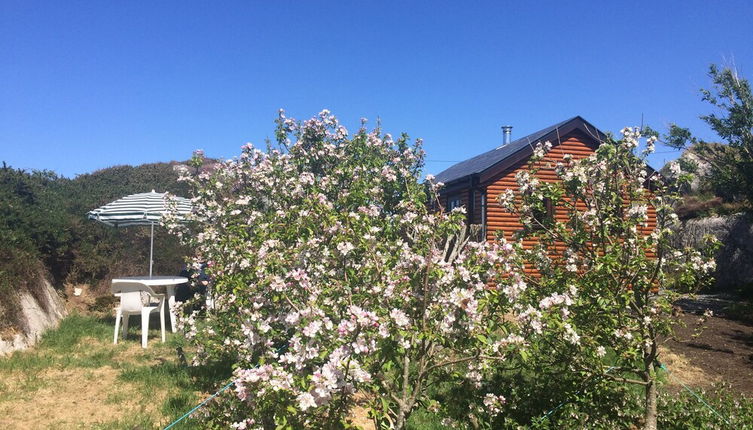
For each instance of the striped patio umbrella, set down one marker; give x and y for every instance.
(139, 209)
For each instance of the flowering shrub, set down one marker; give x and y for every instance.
(334, 281)
(605, 277)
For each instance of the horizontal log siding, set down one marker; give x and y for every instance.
(501, 221)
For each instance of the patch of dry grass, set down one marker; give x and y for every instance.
(682, 371)
(76, 378)
(75, 398)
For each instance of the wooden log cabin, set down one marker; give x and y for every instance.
(477, 182)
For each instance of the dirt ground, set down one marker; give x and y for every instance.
(723, 352)
(78, 398)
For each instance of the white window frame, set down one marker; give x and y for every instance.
(453, 202)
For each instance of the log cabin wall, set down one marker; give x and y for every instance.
(498, 220)
(502, 222)
(477, 182)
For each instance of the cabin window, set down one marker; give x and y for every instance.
(544, 215)
(453, 202)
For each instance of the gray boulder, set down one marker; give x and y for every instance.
(734, 259)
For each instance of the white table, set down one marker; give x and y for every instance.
(169, 282)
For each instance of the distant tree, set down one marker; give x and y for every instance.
(731, 167)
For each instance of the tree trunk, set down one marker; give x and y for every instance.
(650, 414)
(400, 420)
(402, 410)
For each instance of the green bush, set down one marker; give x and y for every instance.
(44, 232)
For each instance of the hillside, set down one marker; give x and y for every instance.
(44, 233)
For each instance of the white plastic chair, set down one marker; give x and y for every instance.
(137, 298)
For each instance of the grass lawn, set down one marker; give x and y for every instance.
(76, 378)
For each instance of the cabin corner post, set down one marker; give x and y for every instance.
(483, 213)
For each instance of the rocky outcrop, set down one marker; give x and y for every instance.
(735, 257)
(38, 313)
(697, 160)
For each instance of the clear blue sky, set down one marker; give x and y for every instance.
(87, 85)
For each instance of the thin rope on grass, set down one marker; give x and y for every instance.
(195, 408)
(187, 414)
(718, 414)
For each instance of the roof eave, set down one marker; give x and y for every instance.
(577, 123)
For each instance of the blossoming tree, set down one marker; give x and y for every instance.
(334, 280)
(608, 273)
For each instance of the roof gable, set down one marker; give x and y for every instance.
(517, 149)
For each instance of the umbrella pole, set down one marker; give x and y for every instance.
(151, 251)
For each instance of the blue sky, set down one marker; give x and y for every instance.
(87, 85)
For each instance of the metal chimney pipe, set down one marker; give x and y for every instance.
(506, 133)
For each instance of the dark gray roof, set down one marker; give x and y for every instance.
(480, 163)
